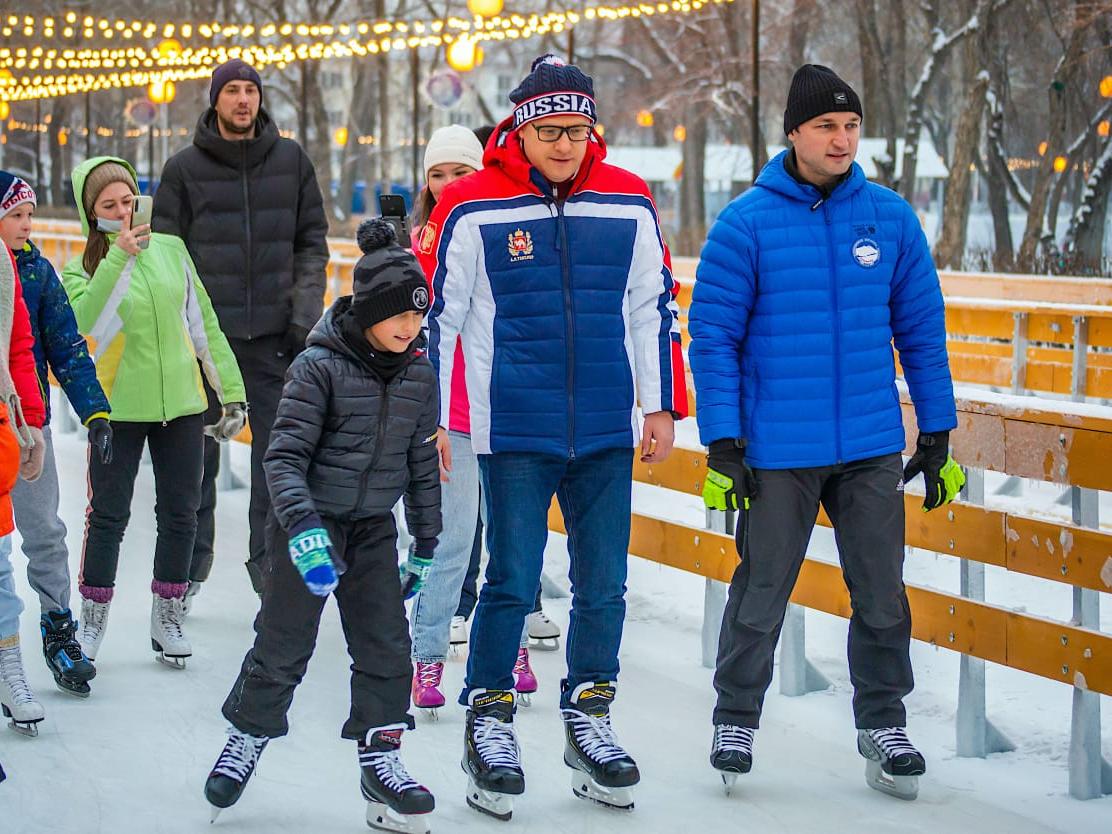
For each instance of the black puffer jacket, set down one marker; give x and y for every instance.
(346, 445)
(251, 214)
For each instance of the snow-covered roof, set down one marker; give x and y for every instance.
(726, 164)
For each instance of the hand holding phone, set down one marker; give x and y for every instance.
(142, 207)
(392, 209)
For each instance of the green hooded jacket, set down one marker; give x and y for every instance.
(150, 321)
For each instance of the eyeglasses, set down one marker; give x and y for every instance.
(552, 133)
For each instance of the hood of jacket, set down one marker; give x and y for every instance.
(207, 137)
(81, 173)
(27, 255)
(503, 151)
(775, 177)
(326, 333)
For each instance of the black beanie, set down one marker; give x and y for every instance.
(816, 90)
(233, 70)
(387, 280)
(553, 88)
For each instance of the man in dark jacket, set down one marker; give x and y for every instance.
(356, 431)
(804, 284)
(247, 204)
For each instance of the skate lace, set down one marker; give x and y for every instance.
(428, 674)
(11, 672)
(240, 755)
(389, 769)
(170, 615)
(893, 741)
(521, 665)
(595, 736)
(64, 640)
(541, 617)
(731, 738)
(496, 742)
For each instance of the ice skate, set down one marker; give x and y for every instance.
(94, 621)
(233, 768)
(525, 682)
(893, 765)
(602, 771)
(544, 635)
(457, 635)
(732, 752)
(491, 756)
(395, 802)
(72, 670)
(16, 698)
(426, 688)
(190, 592)
(167, 638)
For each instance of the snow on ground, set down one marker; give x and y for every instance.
(134, 757)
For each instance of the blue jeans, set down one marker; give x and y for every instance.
(594, 494)
(11, 606)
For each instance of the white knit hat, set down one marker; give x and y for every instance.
(454, 143)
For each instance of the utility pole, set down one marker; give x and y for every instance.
(755, 127)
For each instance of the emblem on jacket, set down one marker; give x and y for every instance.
(428, 237)
(520, 246)
(866, 252)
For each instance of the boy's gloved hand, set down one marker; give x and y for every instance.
(729, 480)
(941, 473)
(100, 438)
(230, 423)
(416, 568)
(312, 553)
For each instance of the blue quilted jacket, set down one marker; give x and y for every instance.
(57, 340)
(796, 306)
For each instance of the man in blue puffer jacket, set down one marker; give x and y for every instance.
(804, 284)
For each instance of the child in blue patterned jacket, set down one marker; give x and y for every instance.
(60, 347)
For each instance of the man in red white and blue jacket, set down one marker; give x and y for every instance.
(549, 265)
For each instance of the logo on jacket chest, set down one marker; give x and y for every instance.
(520, 246)
(866, 252)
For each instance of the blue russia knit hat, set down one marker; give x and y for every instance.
(15, 192)
(553, 88)
(233, 70)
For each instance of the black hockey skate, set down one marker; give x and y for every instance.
(732, 752)
(232, 769)
(893, 765)
(72, 670)
(603, 771)
(491, 757)
(394, 801)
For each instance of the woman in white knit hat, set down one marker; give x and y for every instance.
(452, 153)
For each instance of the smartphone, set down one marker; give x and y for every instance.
(142, 207)
(392, 209)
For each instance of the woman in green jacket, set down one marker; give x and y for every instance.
(137, 296)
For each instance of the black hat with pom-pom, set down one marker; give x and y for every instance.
(387, 280)
(553, 88)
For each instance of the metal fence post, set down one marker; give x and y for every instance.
(227, 479)
(715, 593)
(798, 675)
(1078, 380)
(1019, 353)
(977, 736)
(67, 422)
(1090, 774)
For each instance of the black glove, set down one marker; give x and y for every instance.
(941, 474)
(295, 339)
(100, 438)
(730, 482)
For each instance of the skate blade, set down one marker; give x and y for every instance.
(728, 781)
(214, 813)
(901, 787)
(544, 644)
(525, 699)
(583, 786)
(173, 661)
(382, 817)
(432, 712)
(75, 688)
(25, 728)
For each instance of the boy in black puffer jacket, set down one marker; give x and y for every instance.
(356, 429)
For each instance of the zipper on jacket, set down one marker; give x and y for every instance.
(569, 321)
(383, 414)
(247, 231)
(157, 343)
(836, 334)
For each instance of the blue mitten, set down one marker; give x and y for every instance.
(311, 552)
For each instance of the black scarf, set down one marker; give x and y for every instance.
(385, 363)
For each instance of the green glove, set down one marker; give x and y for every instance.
(942, 475)
(729, 478)
(415, 571)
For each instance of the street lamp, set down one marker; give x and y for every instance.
(1106, 86)
(484, 8)
(464, 55)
